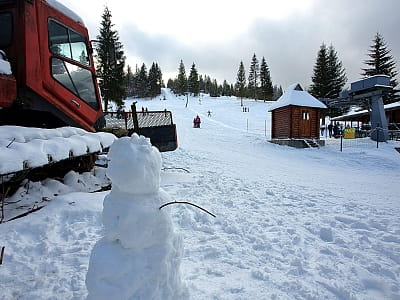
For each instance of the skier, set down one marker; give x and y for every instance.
(196, 122)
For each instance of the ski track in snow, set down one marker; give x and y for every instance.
(293, 241)
(53, 260)
(290, 223)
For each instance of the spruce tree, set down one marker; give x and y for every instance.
(336, 73)
(214, 91)
(181, 84)
(201, 84)
(193, 81)
(277, 92)
(240, 85)
(253, 77)
(154, 81)
(160, 78)
(381, 62)
(266, 89)
(320, 86)
(129, 82)
(111, 62)
(207, 84)
(143, 82)
(328, 78)
(226, 89)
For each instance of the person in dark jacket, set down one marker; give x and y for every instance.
(330, 127)
(196, 122)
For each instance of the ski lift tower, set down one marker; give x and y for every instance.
(372, 89)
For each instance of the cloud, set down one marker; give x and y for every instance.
(289, 45)
(289, 42)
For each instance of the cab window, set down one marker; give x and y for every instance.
(78, 80)
(6, 25)
(68, 43)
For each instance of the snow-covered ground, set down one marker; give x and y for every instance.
(290, 223)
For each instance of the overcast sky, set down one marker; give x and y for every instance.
(217, 34)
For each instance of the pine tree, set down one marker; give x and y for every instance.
(181, 84)
(240, 85)
(328, 78)
(193, 81)
(320, 86)
(154, 81)
(201, 84)
(253, 77)
(226, 89)
(160, 78)
(207, 84)
(143, 82)
(214, 88)
(336, 73)
(111, 62)
(277, 92)
(129, 82)
(381, 62)
(171, 84)
(266, 90)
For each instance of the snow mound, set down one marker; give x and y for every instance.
(22, 147)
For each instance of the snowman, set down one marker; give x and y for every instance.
(139, 255)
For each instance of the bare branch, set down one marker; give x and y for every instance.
(10, 143)
(185, 202)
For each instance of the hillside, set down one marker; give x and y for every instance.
(290, 223)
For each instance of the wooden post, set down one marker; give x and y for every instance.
(265, 127)
(135, 119)
(341, 143)
(1, 255)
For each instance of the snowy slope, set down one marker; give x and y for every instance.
(291, 223)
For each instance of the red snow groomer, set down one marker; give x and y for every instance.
(53, 81)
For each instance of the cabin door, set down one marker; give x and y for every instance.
(305, 124)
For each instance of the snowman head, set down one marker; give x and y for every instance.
(134, 166)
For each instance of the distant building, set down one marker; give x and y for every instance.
(392, 112)
(295, 118)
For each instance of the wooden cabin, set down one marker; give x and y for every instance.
(295, 116)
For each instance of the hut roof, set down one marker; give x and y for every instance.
(358, 115)
(295, 95)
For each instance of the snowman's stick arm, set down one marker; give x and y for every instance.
(189, 203)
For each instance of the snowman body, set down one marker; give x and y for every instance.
(139, 254)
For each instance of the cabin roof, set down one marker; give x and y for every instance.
(295, 95)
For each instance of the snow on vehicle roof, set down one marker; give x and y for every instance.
(295, 95)
(65, 10)
(21, 145)
(5, 67)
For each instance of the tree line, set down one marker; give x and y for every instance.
(195, 84)
(328, 78)
(142, 84)
(259, 86)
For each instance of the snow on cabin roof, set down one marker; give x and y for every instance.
(65, 10)
(295, 95)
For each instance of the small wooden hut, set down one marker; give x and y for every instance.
(295, 118)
